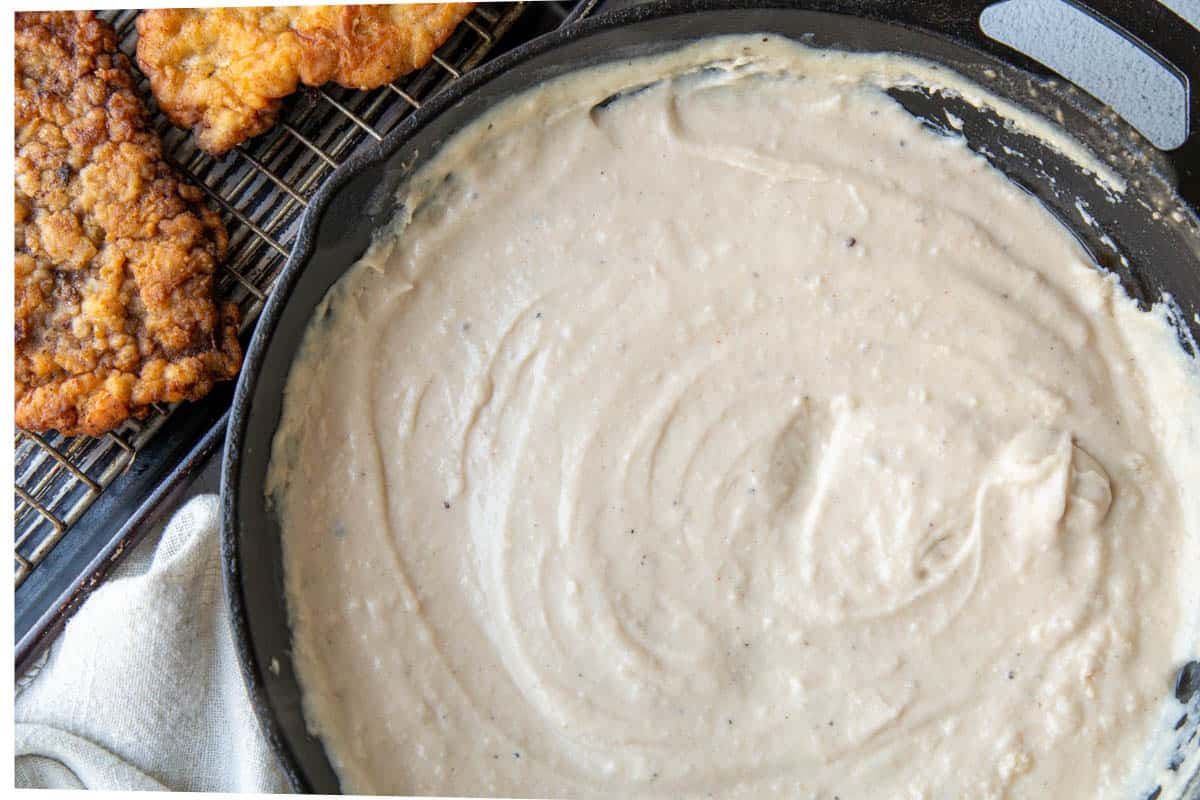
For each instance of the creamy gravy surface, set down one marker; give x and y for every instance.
(735, 437)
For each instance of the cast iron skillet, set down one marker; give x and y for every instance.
(1154, 235)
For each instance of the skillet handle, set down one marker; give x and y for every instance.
(1151, 26)
(1176, 42)
(1160, 31)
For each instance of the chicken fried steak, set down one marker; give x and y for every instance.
(115, 252)
(223, 72)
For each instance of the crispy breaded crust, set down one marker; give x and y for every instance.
(115, 253)
(223, 72)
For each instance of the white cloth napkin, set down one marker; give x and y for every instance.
(143, 689)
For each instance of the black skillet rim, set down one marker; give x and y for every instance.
(303, 249)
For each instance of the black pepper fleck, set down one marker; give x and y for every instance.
(445, 504)
(850, 242)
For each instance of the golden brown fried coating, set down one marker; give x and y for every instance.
(115, 254)
(223, 72)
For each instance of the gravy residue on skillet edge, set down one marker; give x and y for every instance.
(737, 436)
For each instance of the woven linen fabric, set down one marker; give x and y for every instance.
(143, 688)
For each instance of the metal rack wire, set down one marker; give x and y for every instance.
(261, 190)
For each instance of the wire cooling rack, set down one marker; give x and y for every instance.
(261, 190)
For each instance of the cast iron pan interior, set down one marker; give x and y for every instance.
(1155, 248)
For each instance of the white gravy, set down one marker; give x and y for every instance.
(739, 437)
